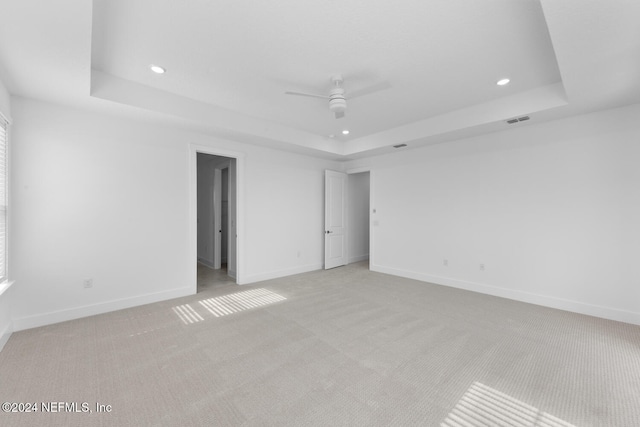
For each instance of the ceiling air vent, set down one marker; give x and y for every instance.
(399, 145)
(519, 119)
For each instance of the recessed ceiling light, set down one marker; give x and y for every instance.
(503, 82)
(157, 69)
(345, 132)
(332, 136)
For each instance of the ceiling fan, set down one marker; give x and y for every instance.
(337, 95)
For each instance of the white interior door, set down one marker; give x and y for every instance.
(217, 218)
(335, 219)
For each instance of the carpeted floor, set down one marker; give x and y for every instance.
(344, 347)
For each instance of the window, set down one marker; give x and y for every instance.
(3, 200)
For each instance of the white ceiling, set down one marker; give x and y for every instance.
(229, 64)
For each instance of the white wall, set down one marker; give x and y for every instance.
(358, 216)
(108, 199)
(286, 204)
(6, 299)
(551, 210)
(96, 198)
(5, 102)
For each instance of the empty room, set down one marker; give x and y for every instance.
(355, 213)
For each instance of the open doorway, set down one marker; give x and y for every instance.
(358, 216)
(216, 184)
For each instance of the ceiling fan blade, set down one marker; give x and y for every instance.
(339, 114)
(312, 95)
(367, 90)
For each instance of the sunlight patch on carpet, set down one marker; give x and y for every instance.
(240, 301)
(484, 406)
(187, 314)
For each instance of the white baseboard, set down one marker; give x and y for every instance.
(279, 273)
(358, 258)
(543, 300)
(35, 321)
(5, 335)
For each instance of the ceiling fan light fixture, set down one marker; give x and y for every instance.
(337, 105)
(337, 95)
(157, 69)
(503, 82)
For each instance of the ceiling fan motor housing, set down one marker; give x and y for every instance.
(337, 103)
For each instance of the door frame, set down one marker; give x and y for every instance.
(192, 238)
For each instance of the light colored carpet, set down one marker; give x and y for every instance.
(344, 347)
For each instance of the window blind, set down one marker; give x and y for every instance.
(3, 200)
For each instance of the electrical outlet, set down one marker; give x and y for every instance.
(445, 262)
(87, 283)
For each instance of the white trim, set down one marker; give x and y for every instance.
(37, 320)
(361, 169)
(5, 335)
(192, 252)
(543, 300)
(282, 273)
